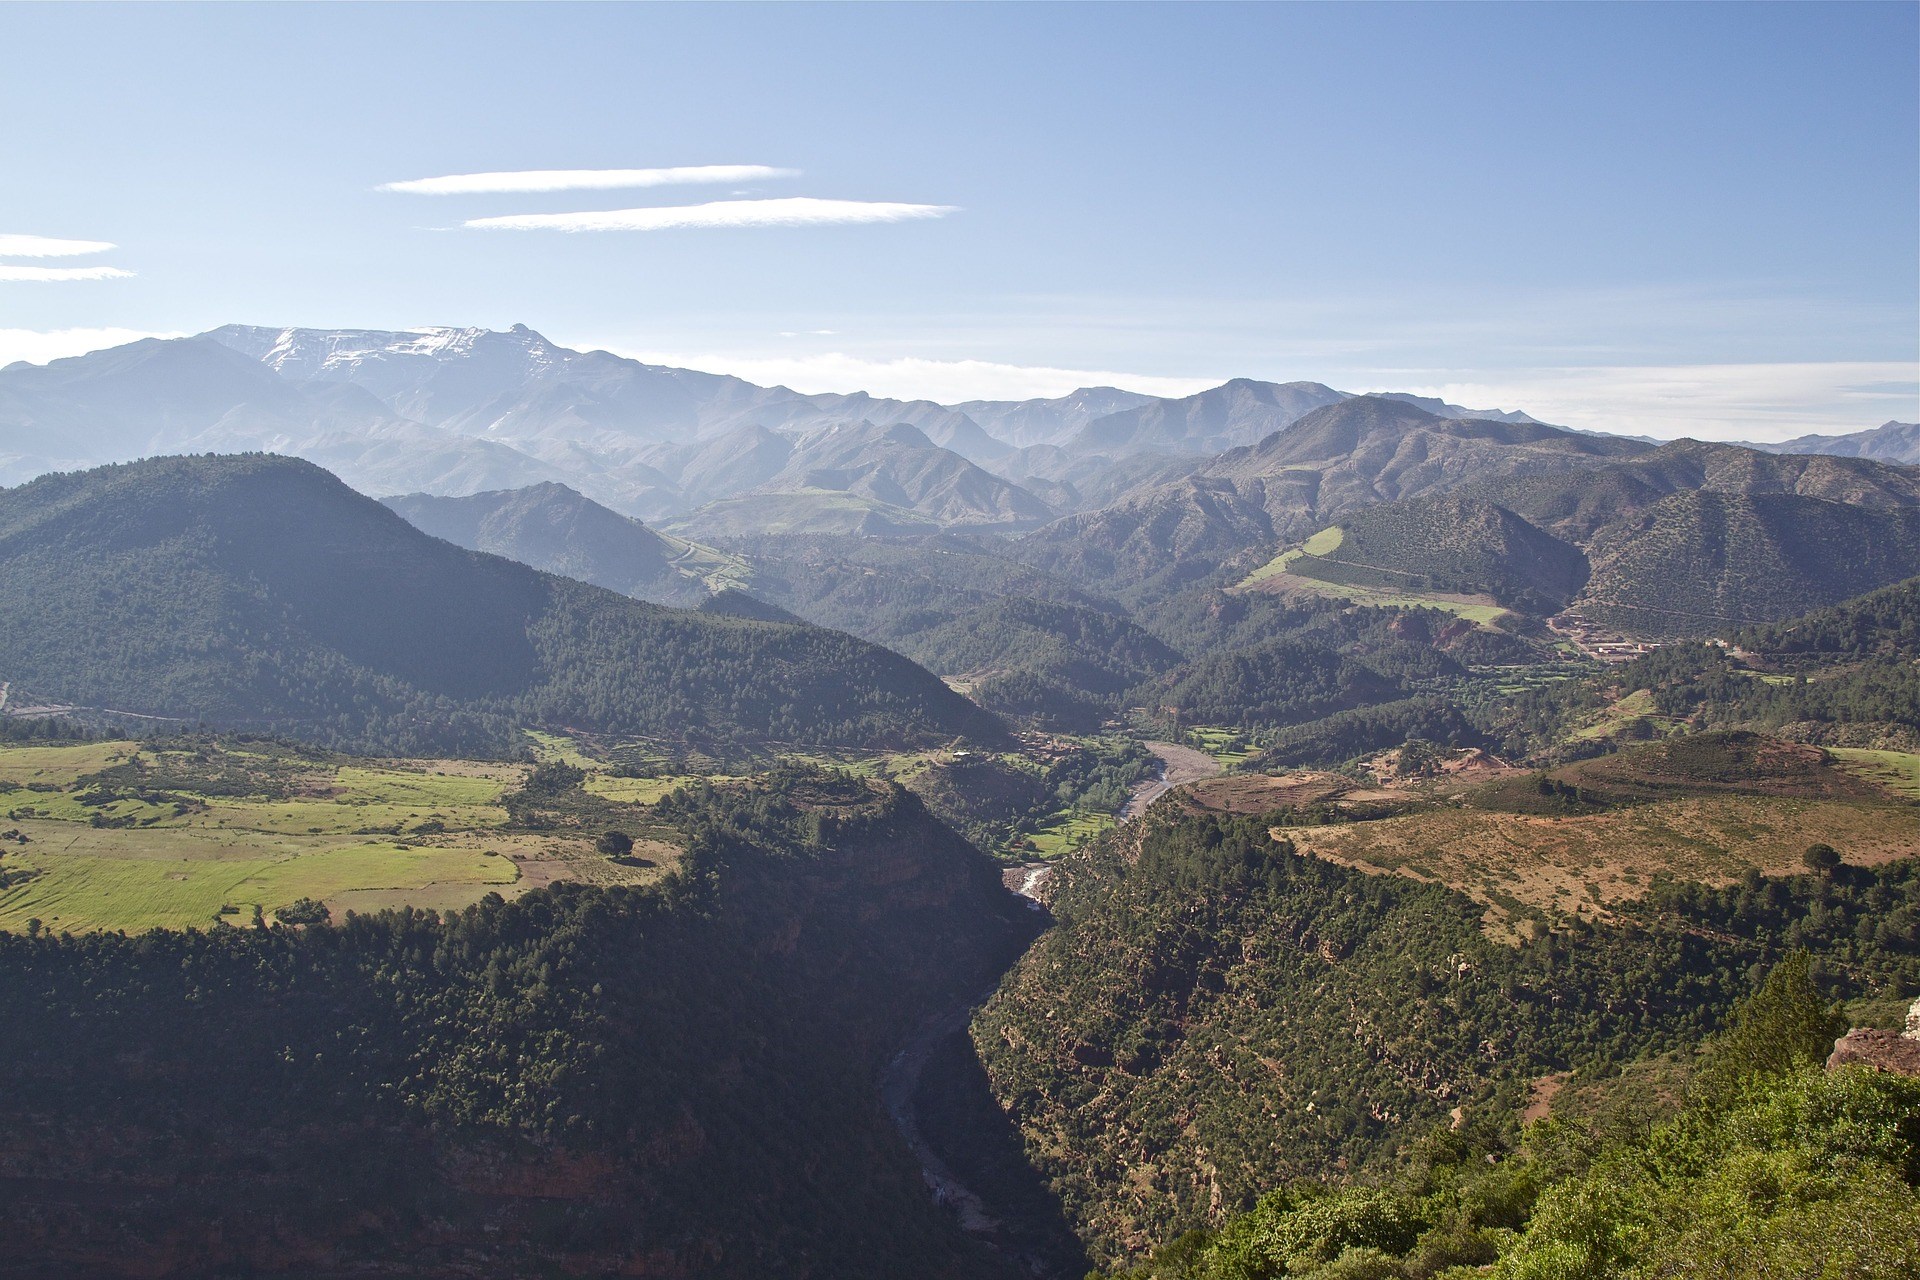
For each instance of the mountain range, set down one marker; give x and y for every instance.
(457, 411)
(506, 442)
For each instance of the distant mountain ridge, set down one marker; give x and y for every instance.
(1888, 442)
(458, 411)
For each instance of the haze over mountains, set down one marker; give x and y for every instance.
(506, 442)
(462, 411)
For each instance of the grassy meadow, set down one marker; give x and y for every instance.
(1290, 571)
(132, 836)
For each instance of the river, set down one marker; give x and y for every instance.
(901, 1080)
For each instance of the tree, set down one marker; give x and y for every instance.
(1821, 859)
(1784, 1025)
(615, 844)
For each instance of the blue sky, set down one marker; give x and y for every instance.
(1661, 218)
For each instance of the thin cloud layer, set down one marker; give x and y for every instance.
(11, 273)
(22, 246)
(794, 211)
(1767, 402)
(526, 181)
(915, 378)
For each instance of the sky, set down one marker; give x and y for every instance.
(1662, 219)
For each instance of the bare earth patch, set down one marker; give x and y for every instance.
(1519, 864)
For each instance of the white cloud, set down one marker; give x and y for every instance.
(21, 246)
(39, 346)
(794, 211)
(524, 181)
(15, 274)
(1763, 402)
(914, 378)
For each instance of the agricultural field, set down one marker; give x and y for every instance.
(1065, 832)
(190, 833)
(1706, 807)
(1291, 571)
(1323, 543)
(1230, 747)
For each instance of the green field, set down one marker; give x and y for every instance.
(1067, 831)
(83, 878)
(1897, 771)
(122, 835)
(1325, 542)
(1279, 574)
(1218, 743)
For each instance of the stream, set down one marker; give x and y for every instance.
(901, 1080)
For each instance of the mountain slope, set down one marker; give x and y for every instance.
(1375, 449)
(866, 477)
(1888, 442)
(261, 590)
(1051, 421)
(1358, 452)
(1576, 505)
(1700, 562)
(555, 529)
(1458, 543)
(1235, 413)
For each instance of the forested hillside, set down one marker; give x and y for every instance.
(672, 1081)
(1765, 1165)
(1215, 1015)
(557, 530)
(260, 591)
(1706, 561)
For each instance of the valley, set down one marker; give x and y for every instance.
(1082, 854)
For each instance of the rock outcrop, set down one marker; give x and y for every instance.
(1883, 1050)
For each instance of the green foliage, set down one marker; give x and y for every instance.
(259, 590)
(1703, 681)
(302, 911)
(1214, 1015)
(1800, 1174)
(1278, 683)
(1785, 1025)
(1344, 735)
(1880, 624)
(683, 1068)
(1821, 859)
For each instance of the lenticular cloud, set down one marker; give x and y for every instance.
(526, 181)
(20, 246)
(795, 211)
